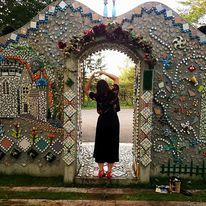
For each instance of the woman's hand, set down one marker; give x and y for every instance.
(93, 75)
(100, 72)
(96, 74)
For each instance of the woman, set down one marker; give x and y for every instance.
(106, 148)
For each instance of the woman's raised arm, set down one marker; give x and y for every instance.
(111, 76)
(88, 84)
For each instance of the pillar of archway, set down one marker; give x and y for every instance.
(70, 119)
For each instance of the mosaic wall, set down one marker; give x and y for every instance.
(39, 104)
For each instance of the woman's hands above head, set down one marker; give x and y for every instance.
(96, 74)
(111, 76)
(100, 72)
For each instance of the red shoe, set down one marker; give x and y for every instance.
(109, 175)
(101, 174)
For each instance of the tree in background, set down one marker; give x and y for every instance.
(16, 13)
(91, 64)
(126, 84)
(194, 10)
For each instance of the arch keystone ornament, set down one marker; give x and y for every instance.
(40, 104)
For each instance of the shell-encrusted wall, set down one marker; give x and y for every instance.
(40, 89)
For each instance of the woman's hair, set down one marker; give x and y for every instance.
(102, 88)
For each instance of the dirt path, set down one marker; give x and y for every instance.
(89, 120)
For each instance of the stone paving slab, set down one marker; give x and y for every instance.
(15, 202)
(94, 190)
(121, 169)
(79, 190)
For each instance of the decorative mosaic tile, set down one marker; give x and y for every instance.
(41, 145)
(62, 5)
(179, 42)
(147, 96)
(146, 144)
(142, 120)
(15, 153)
(69, 82)
(142, 152)
(13, 37)
(159, 8)
(141, 136)
(49, 157)
(73, 119)
(68, 143)
(24, 144)
(149, 120)
(157, 111)
(69, 110)
(146, 112)
(51, 9)
(69, 95)
(191, 93)
(69, 126)
(202, 38)
(169, 13)
(33, 24)
(6, 143)
(23, 31)
(66, 118)
(161, 85)
(69, 150)
(185, 27)
(42, 17)
(146, 128)
(145, 160)
(191, 68)
(200, 88)
(32, 153)
(57, 146)
(1, 130)
(68, 159)
(69, 154)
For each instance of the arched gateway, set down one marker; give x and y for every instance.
(41, 87)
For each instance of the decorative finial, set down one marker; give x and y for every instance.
(105, 13)
(113, 9)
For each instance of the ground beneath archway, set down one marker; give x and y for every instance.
(123, 168)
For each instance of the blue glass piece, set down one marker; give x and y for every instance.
(105, 13)
(113, 10)
(41, 82)
(2, 59)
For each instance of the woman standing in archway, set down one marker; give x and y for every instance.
(106, 147)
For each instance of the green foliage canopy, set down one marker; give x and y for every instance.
(197, 9)
(16, 13)
(126, 84)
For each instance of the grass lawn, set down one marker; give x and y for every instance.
(144, 194)
(26, 180)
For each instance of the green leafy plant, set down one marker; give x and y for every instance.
(17, 131)
(34, 134)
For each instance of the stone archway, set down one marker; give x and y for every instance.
(100, 38)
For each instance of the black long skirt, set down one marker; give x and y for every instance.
(106, 148)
